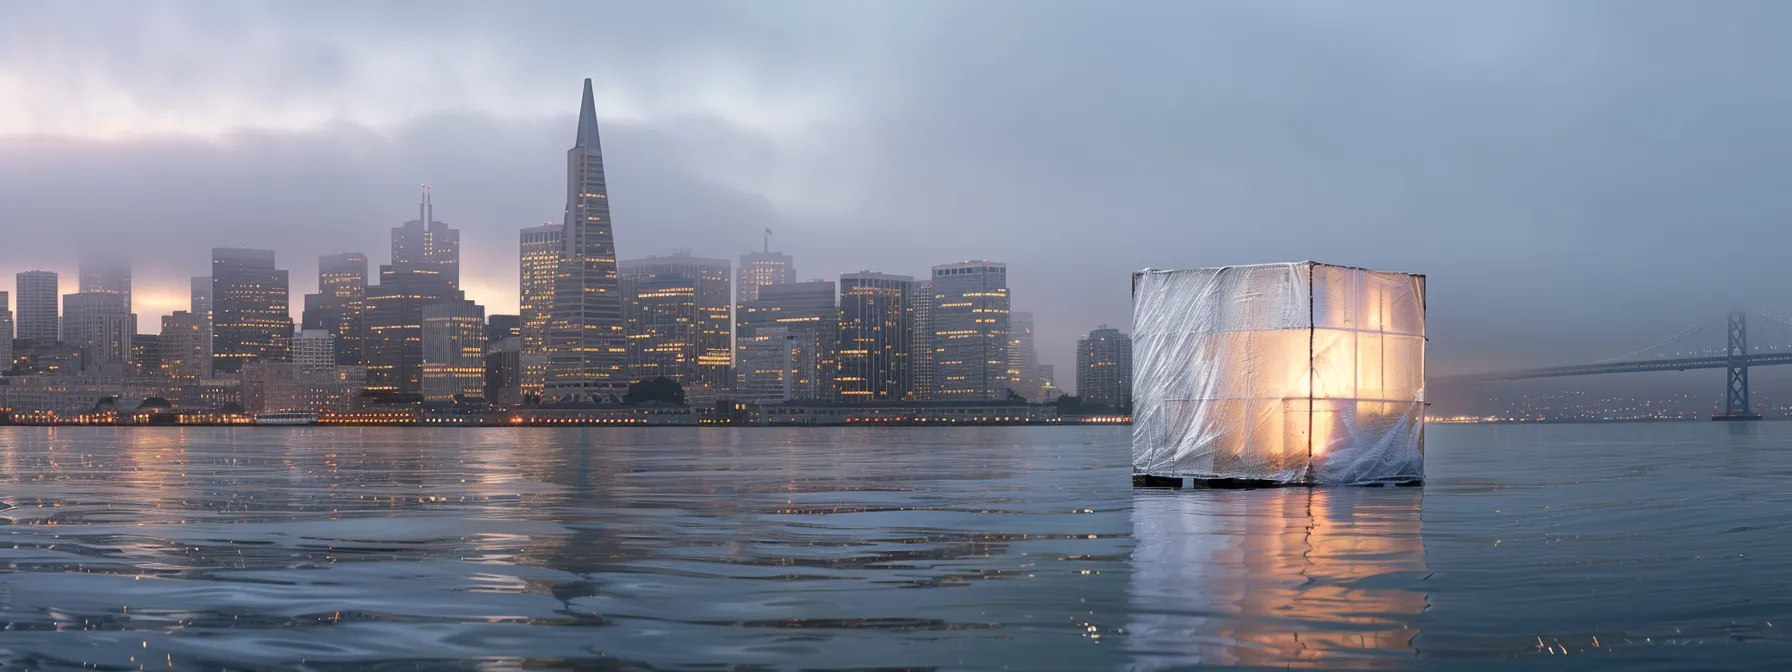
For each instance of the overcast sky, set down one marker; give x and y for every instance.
(1578, 179)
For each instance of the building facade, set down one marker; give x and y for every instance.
(970, 328)
(805, 309)
(339, 305)
(1104, 369)
(426, 246)
(453, 351)
(540, 254)
(100, 325)
(200, 305)
(873, 348)
(6, 333)
(661, 319)
(758, 269)
(185, 351)
(921, 342)
(1023, 358)
(710, 353)
(587, 350)
(250, 313)
(777, 364)
(314, 349)
(38, 313)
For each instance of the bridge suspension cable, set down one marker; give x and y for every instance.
(1683, 335)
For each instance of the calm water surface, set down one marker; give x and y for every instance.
(1664, 546)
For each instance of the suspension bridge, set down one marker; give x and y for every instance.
(1721, 342)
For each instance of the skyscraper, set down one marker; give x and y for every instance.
(661, 319)
(339, 304)
(200, 305)
(393, 310)
(185, 354)
(876, 320)
(426, 246)
(106, 273)
(541, 247)
(250, 309)
(38, 307)
(1023, 357)
(777, 364)
(1104, 369)
(758, 269)
(587, 349)
(921, 342)
(970, 331)
(100, 326)
(453, 351)
(806, 311)
(711, 349)
(5, 332)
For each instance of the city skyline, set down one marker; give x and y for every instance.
(1295, 130)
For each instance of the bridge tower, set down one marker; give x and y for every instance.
(1736, 391)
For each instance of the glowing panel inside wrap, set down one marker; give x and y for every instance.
(1292, 373)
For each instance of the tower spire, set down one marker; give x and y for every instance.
(587, 119)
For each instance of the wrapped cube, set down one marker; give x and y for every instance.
(1297, 373)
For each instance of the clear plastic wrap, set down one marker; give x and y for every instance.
(1291, 373)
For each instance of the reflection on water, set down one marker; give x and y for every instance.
(1608, 547)
(1288, 577)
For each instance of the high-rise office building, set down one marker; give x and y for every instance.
(660, 317)
(540, 254)
(314, 349)
(1104, 369)
(453, 351)
(5, 332)
(392, 313)
(587, 350)
(200, 305)
(106, 273)
(876, 321)
(100, 326)
(251, 318)
(711, 351)
(339, 304)
(426, 246)
(504, 370)
(146, 355)
(38, 300)
(184, 343)
(777, 364)
(758, 269)
(503, 326)
(970, 331)
(806, 310)
(921, 342)
(1023, 357)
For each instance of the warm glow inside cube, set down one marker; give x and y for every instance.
(1291, 373)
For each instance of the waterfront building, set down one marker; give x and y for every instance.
(1104, 369)
(777, 364)
(805, 308)
(504, 370)
(314, 349)
(921, 342)
(183, 344)
(5, 332)
(707, 353)
(38, 312)
(587, 350)
(876, 321)
(250, 314)
(146, 356)
(338, 306)
(100, 325)
(453, 351)
(970, 328)
(200, 305)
